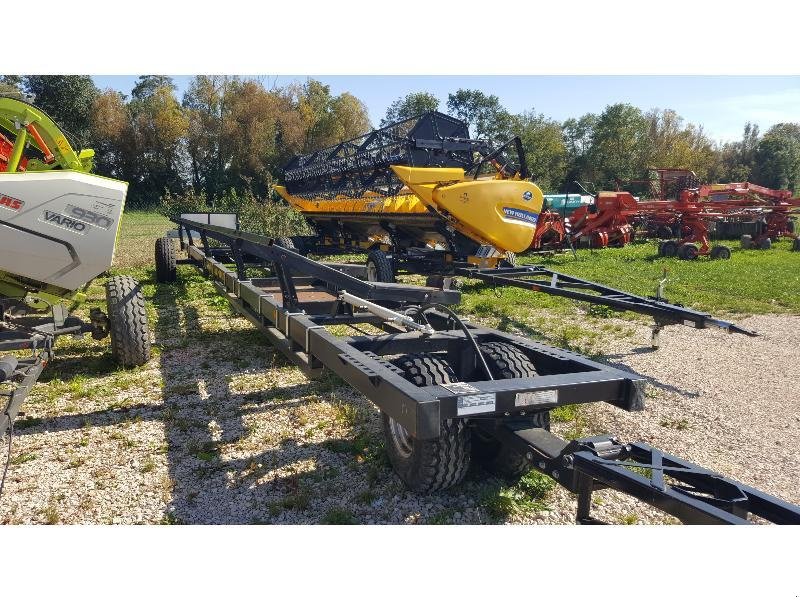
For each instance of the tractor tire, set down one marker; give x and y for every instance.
(510, 261)
(746, 242)
(127, 319)
(428, 465)
(765, 244)
(669, 249)
(507, 362)
(379, 267)
(165, 260)
(721, 252)
(796, 245)
(688, 252)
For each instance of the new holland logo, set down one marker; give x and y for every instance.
(527, 196)
(517, 214)
(10, 203)
(63, 221)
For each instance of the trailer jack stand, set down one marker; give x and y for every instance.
(655, 338)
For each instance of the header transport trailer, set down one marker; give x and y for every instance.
(451, 392)
(421, 196)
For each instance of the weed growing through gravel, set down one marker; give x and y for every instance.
(528, 495)
(339, 516)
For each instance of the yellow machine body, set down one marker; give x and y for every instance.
(498, 212)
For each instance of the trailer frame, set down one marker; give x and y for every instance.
(294, 307)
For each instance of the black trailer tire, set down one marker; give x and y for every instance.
(746, 242)
(165, 260)
(379, 267)
(127, 318)
(286, 242)
(428, 465)
(721, 252)
(796, 245)
(669, 249)
(505, 361)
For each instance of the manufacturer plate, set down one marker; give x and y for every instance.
(478, 403)
(534, 398)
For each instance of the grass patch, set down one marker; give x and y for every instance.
(338, 516)
(528, 495)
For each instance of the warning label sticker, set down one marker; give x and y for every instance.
(534, 398)
(478, 403)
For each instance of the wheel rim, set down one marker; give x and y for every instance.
(401, 439)
(372, 272)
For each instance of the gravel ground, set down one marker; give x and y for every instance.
(220, 429)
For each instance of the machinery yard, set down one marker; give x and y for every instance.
(218, 427)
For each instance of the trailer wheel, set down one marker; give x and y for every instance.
(688, 251)
(379, 267)
(796, 245)
(127, 318)
(766, 244)
(428, 465)
(746, 242)
(721, 252)
(669, 248)
(165, 260)
(286, 242)
(506, 361)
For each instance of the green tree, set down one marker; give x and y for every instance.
(620, 145)
(486, 116)
(68, 99)
(147, 85)
(409, 106)
(672, 144)
(577, 135)
(777, 157)
(545, 150)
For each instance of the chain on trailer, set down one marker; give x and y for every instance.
(433, 392)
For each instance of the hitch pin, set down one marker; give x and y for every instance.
(385, 313)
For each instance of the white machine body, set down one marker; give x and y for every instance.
(59, 227)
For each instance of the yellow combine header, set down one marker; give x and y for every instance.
(418, 188)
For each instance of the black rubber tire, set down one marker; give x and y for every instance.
(688, 251)
(720, 253)
(127, 318)
(746, 242)
(379, 267)
(669, 249)
(510, 261)
(165, 260)
(765, 244)
(286, 242)
(429, 465)
(663, 232)
(507, 362)
(796, 245)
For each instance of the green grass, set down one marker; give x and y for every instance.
(751, 282)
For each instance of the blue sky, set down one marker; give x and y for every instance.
(721, 104)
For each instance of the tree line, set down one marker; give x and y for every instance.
(230, 134)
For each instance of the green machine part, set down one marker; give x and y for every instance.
(32, 127)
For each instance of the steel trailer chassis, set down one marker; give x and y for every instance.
(294, 307)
